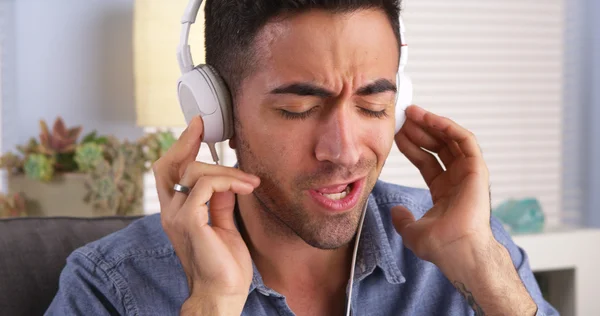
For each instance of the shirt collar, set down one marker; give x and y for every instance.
(374, 250)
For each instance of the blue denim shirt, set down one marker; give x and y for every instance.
(135, 271)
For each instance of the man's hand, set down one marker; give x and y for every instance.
(214, 257)
(455, 234)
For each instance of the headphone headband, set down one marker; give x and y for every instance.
(403, 47)
(184, 53)
(202, 91)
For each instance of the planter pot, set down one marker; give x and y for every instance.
(63, 196)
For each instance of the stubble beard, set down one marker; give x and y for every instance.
(283, 215)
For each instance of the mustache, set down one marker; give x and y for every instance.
(328, 170)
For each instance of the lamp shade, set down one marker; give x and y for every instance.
(156, 32)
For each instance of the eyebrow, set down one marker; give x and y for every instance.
(309, 89)
(379, 86)
(303, 89)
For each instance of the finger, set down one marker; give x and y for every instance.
(465, 139)
(203, 191)
(221, 210)
(427, 139)
(452, 146)
(446, 157)
(422, 138)
(196, 170)
(415, 234)
(167, 168)
(455, 149)
(429, 167)
(433, 140)
(402, 219)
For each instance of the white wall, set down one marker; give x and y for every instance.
(592, 92)
(71, 58)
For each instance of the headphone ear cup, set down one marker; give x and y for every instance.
(404, 97)
(203, 92)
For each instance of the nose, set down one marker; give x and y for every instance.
(338, 138)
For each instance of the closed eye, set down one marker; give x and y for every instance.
(375, 114)
(297, 115)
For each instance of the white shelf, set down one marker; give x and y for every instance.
(569, 258)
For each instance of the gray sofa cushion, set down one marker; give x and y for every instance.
(33, 253)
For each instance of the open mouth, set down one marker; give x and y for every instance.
(338, 197)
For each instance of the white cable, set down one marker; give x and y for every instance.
(354, 253)
(213, 153)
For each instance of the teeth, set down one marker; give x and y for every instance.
(337, 196)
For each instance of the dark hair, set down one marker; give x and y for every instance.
(232, 25)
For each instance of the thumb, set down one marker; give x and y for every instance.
(185, 149)
(402, 218)
(222, 205)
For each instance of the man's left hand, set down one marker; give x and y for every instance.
(455, 234)
(461, 196)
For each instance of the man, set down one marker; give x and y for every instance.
(313, 83)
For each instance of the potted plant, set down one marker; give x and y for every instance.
(58, 175)
(12, 206)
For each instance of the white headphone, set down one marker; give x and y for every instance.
(201, 91)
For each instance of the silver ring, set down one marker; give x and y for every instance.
(181, 188)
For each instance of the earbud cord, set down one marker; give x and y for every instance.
(360, 226)
(213, 152)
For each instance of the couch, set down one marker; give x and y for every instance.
(33, 253)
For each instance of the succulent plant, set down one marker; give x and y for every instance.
(94, 138)
(156, 144)
(88, 155)
(32, 147)
(12, 205)
(103, 193)
(151, 147)
(166, 140)
(38, 166)
(117, 185)
(11, 162)
(115, 168)
(60, 140)
(130, 167)
(102, 189)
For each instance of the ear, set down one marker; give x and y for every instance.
(232, 142)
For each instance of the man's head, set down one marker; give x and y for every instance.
(313, 83)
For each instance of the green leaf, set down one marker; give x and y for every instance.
(101, 140)
(65, 162)
(89, 137)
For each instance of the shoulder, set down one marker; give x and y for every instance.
(142, 238)
(116, 271)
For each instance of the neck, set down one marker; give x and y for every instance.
(287, 264)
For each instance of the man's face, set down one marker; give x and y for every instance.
(315, 121)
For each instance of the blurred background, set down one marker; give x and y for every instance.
(523, 75)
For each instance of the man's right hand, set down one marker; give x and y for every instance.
(214, 257)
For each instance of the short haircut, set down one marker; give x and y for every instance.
(232, 26)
